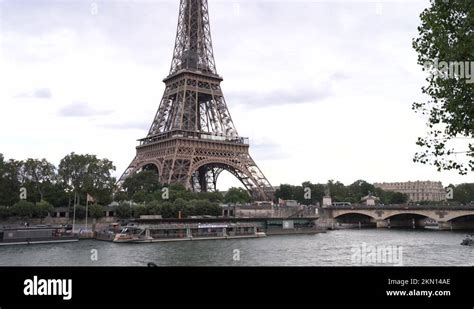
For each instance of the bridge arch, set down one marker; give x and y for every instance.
(410, 213)
(147, 164)
(136, 166)
(206, 172)
(355, 212)
(461, 217)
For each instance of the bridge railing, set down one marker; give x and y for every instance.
(404, 206)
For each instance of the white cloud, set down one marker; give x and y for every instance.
(352, 72)
(40, 93)
(81, 109)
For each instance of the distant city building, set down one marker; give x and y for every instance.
(417, 191)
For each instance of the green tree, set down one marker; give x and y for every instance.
(123, 210)
(391, 197)
(464, 193)
(317, 193)
(139, 186)
(338, 191)
(214, 209)
(141, 197)
(38, 174)
(139, 210)
(203, 207)
(237, 195)
(359, 189)
(383, 195)
(5, 212)
(398, 198)
(38, 177)
(180, 205)
(121, 196)
(446, 40)
(43, 209)
(285, 192)
(168, 210)
(56, 194)
(298, 195)
(178, 191)
(23, 209)
(87, 174)
(96, 211)
(209, 196)
(154, 208)
(9, 183)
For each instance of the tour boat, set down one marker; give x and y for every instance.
(190, 231)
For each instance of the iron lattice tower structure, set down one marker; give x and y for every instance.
(192, 138)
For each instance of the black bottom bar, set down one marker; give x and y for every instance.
(427, 286)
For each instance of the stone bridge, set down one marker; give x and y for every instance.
(446, 217)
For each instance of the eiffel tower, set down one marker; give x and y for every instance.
(192, 138)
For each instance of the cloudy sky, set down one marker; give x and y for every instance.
(322, 88)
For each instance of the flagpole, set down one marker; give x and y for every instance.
(87, 204)
(74, 214)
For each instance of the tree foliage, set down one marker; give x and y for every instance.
(5, 212)
(445, 48)
(96, 211)
(123, 210)
(44, 182)
(237, 195)
(37, 174)
(43, 209)
(9, 183)
(140, 185)
(143, 187)
(389, 197)
(339, 192)
(168, 209)
(87, 174)
(25, 209)
(464, 193)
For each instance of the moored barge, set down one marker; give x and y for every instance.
(36, 235)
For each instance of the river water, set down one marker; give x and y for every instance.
(334, 248)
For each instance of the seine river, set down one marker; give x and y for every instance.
(334, 248)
